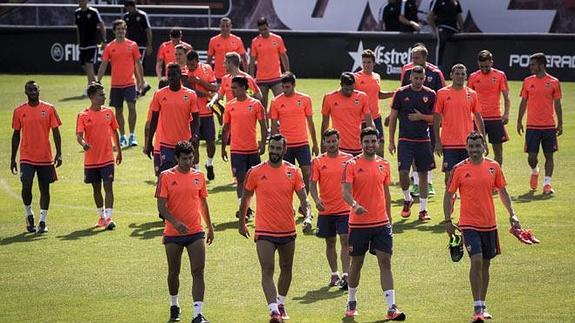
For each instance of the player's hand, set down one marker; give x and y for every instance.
(450, 228)
(359, 210)
(224, 155)
(58, 160)
(195, 139)
(315, 150)
(319, 205)
(519, 128)
(514, 221)
(415, 116)
(438, 148)
(149, 50)
(210, 235)
(416, 26)
(119, 157)
(86, 146)
(180, 227)
(391, 147)
(262, 147)
(386, 121)
(14, 167)
(505, 118)
(148, 151)
(244, 231)
(559, 130)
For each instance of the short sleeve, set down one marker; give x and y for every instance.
(241, 48)
(395, 102)
(503, 86)
(16, 124)
(227, 115)
(454, 180)
(524, 93)
(211, 49)
(204, 190)
(251, 181)
(55, 121)
(274, 113)
(387, 179)
(438, 107)
(308, 107)
(98, 17)
(253, 85)
(325, 107)
(365, 104)
(210, 75)
(557, 90)
(260, 111)
(161, 53)
(254, 49)
(194, 103)
(106, 54)
(475, 107)
(136, 52)
(162, 188)
(113, 122)
(281, 48)
(499, 178)
(80, 128)
(315, 174)
(155, 103)
(299, 183)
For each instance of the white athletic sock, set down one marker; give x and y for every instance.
(406, 195)
(107, 213)
(351, 294)
(415, 178)
(335, 273)
(422, 204)
(100, 212)
(281, 299)
(273, 308)
(132, 134)
(477, 306)
(344, 275)
(174, 300)
(535, 170)
(547, 180)
(43, 215)
(198, 308)
(209, 161)
(430, 177)
(390, 298)
(483, 304)
(28, 210)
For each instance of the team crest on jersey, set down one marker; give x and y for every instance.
(425, 99)
(43, 113)
(289, 174)
(356, 101)
(429, 79)
(137, 18)
(89, 16)
(186, 98)
(381, 168)
(491, 171)
(274, 44)
(299, 103)
(547, 84)
(108, 116)
(250, 108)
(196, 181)
(468, 97)
(494, 80)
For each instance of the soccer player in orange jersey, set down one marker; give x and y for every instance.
(167, 50)
(456, 110)
(346, 108)
(368, 81)
(475, 178)
(241, 116)
(541, 98)
(327, 172)
(32, 122)
(490, 84)
(290, 112)
(96, 126)
(124, 56)
(202, 79)
(274, 183)
(224, 43)
(366, 182)
(182, 201)
(269, 51)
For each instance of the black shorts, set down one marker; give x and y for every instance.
(302, 154)
(46, 174)
(484, 242)
(184, 241)
(167, 158)
(495, 130)
(207, 128)
(268, 84)
(331, 225)
(452, 157)
(278, 241)
(89, 55)
(119, 94)
(546, 138)
(364, 239)
(99, 174)
(414, 151)
(378, 125)
(241, 163)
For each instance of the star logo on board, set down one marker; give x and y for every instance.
(356, 56)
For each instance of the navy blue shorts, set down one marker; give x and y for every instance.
(452, 157)
(364, 239)
(302, 154)
(184, 241)
(157, 163)
(278, 241)
(378, 125)
(207, 128)
(46, 174)
(546, 138)
(167, 158)
(119, 94)
(268, 84)
(484, 242)
(241, 163)
(413, 151)
(99, 174)
(88, 55)
(331, 225)
(495, 130)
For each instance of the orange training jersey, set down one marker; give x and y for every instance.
(220, 46)
(489, 87)
(226, 86)
(175, 110)
(292, 113)
(243, 116)
(368, 179)
(122, 56)
(267, 52)
(274, 188)
(410, 66)
(347, 114)
(456, 108)
(34, 124)
(184, 194)
(370, 84)
(328, 172)
(98, 128)
(475, 184)
(540, 94)
(203, 72)
(167, 51)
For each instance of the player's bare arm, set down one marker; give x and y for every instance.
(520, 114)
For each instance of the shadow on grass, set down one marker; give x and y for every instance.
(226, 225)
(223, 188)
(83, 233)
(146, 231)
(73, 98)
(403, 225)
(22, 237)
(348, 320)
(323, 293)
(530, 197)
(150, 182)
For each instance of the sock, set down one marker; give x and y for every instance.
(477, 306)
(344, 275)
(406, 195)
(335, 273)
(547, 180)
(132, 134)
(209, 161)
(198, 308)
(124, 137)
(107, 213)
(415, 178)
(239, 201)
(101, 212)
(422, 204)
(351, 294)
(281, 299)
(43, 215)
(28, 210)
(390, 298)
(535, 170)
(430, 177)
(174, 300)
(483, 304)
(273, 308)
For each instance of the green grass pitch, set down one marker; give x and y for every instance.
(77, 273)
